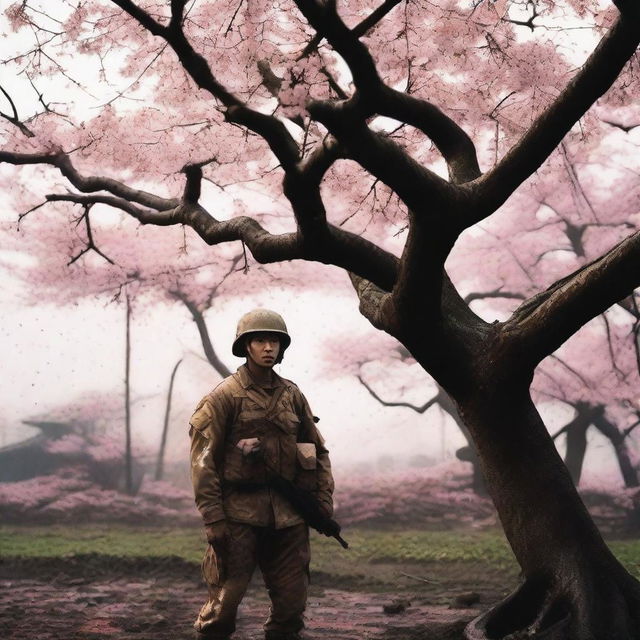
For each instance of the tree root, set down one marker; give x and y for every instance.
(542, 609)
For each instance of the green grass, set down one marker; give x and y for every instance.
(367, 547)
(58, 540)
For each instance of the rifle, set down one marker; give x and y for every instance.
(303, 501)
(308, 506)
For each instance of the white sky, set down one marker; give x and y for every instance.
(56, 354)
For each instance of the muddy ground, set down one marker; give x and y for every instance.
(100, 598)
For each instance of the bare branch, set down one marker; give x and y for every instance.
(629, 430)
(333, 83)
(145, 216)
(177, 10)
(375, 97)
(321, 158)
(89, 184)
(14, 119)
(571, 370)
(408, 405)
(203, 330)
(612, 356)
(91, 245)
(26, 213)
(193, 185)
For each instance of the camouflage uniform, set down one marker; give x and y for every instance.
(263, 528)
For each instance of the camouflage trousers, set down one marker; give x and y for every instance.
(283, 557)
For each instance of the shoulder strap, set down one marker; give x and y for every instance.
(277, 394)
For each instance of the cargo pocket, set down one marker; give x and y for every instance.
(242, 469)
(307, 466)
(211, 568)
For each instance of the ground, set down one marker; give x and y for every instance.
(89, 599)
(144, 595)
(437, 557)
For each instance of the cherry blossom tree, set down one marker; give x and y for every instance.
(349, 117)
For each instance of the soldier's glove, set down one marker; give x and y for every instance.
(217, 533)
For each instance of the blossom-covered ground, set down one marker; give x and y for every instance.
(437, 497)
(52, 594)
(141, 600)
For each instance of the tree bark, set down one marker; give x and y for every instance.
(572, 586)
(467, 453)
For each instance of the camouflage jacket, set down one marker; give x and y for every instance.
(229, 485)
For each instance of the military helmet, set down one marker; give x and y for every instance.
(256, 321)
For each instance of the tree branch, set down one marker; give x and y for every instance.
(268, 127)
(89, 184)
(321, 158)
(619, 442)
(164, 218)
(450, 139)
(596, 76)
(375, 303)
(548, 319)
(359, 30)
(496, 293)
(418, 187)
(177, 10)
(91, 245)
(14, 119)
(142, 17)
(193, 185)
(408, 405)
(203, 330)
(324, 18)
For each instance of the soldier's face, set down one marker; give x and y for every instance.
(263, 349)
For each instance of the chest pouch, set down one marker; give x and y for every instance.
(307, 466)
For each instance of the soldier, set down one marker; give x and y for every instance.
(253, 425)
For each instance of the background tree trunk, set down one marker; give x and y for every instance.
(128, 466)
(165, 427)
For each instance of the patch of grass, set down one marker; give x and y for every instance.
(368, 547)
(60, 541)
(421, 546)
(628, 552)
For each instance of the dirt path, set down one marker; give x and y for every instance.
(163, 608)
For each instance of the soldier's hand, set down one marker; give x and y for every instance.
(326, 508)
(249, 446)
(217, 533)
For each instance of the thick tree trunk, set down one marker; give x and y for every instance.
(573, 588)
(467, 453)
